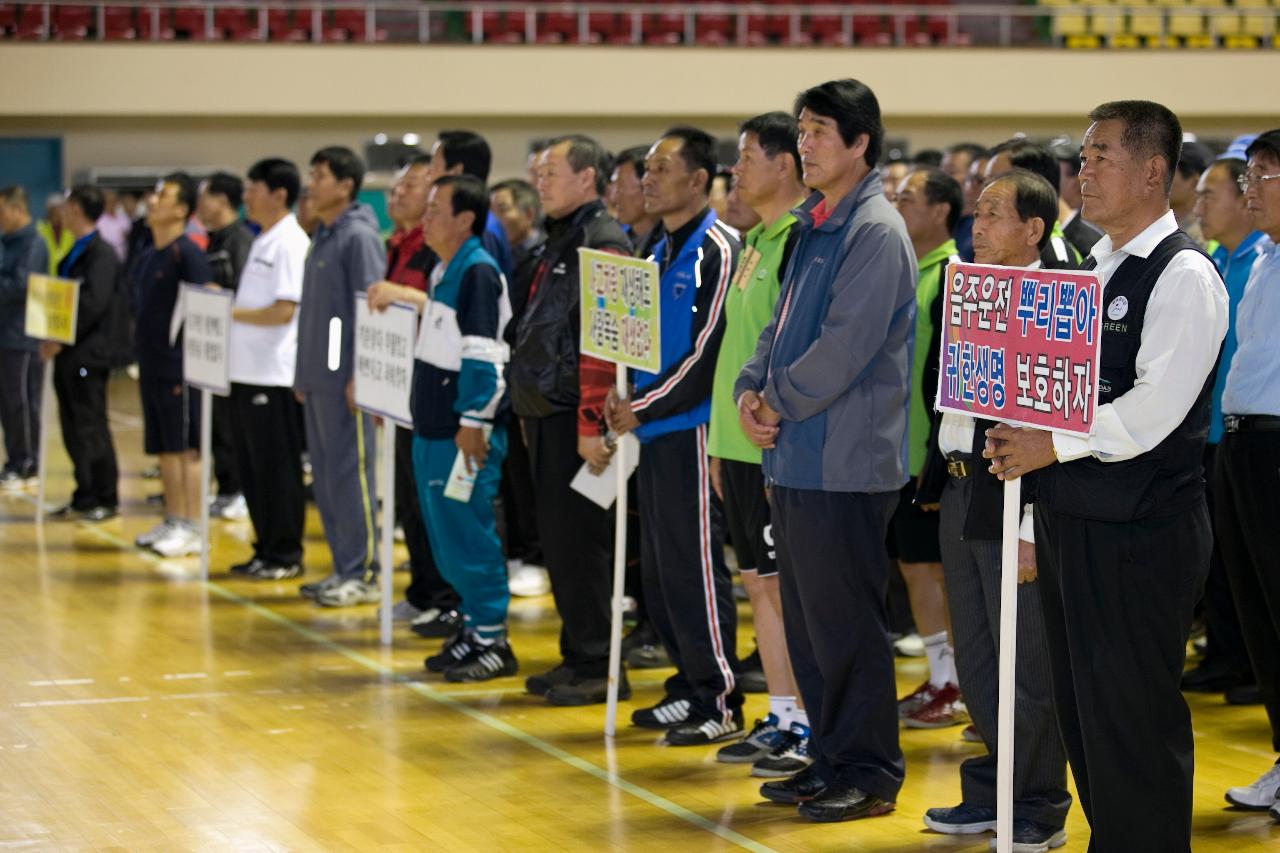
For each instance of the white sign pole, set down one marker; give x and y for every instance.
(619, 572)
(388, 522)
(1008, 662)
(206, 475)
(46, 404)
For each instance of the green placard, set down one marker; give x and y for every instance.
(620, 309)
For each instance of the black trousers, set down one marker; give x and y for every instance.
(1247, 477)
(687, 586)
(226, 469)
(973, 569)
(577, 544)
(834, 574)
(521, 538)
(269, 433)
(20, 398)
(1118, 600)
(427, 587)
(1223, 633)
(82, 412)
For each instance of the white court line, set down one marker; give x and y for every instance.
(60, 682)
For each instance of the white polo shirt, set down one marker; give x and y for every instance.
(265, 355)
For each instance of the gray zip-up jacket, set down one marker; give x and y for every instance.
(835, 360)
(345, 258)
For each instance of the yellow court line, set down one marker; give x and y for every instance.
(441, 698)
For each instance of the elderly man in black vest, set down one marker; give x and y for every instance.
(1121, 527)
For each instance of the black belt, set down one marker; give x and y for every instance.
(959, 469)
(1251, 423)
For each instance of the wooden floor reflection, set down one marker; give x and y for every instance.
(146, 710)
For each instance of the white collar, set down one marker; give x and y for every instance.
(1142, 245)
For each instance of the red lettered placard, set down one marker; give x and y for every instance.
(1021, 346)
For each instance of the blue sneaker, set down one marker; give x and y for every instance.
(963, 819)
(789, 757)
(761, 740)
(1032, 837)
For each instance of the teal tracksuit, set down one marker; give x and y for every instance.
(458, 381)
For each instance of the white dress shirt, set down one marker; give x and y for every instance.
(1182, 333)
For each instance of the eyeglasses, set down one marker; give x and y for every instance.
(1245, 180)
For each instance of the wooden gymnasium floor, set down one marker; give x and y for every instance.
(145, 710)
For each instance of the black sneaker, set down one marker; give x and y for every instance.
(751, 678)
(275, 571)
(99, 513)
(698, 732)
(247, 567)
(1032, 837)
(760, 741)
(642, 649)
(539, 684)
(587, 691)
(453, 651)
(964, 819)
(484, 662)
(435, 623)
(667, 714)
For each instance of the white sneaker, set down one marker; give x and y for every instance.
(183, 541)
(527, 581)
(155, 534)
(910, 646)
(402, 611)
(1261, 795)
(347, 593)
(229, 508)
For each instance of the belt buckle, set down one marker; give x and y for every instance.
(958, 468)
(1231, 423)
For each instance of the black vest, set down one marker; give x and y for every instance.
(1165, 480)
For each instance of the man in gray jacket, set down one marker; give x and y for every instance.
(826, 397)
(346, 257)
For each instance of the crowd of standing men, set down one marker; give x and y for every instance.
(792, 407)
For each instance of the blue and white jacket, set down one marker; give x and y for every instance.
(460, 356)
(696, 264)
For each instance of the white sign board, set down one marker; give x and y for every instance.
(384, 359)
(206, 322)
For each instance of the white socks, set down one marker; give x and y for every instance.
(942, 659)
(784, 708)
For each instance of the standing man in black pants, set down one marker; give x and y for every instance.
(22, 252)
(826, 396)
(1249, 457)
(81, 371)
(218, 207)
(265, 417)
(1121, 527)
(559, 396)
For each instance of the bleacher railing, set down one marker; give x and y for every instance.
(1250, 23)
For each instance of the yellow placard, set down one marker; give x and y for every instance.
(52, 304)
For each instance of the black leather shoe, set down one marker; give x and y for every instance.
(587, 691)
(1244, 694)
(539, 684)
(1209, 677)
(800, 788)
(248, 567)
(843, 801)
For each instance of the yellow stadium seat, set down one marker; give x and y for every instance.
(1186, 24)
(1069, 26)
(1257, 25)
(1147, 23)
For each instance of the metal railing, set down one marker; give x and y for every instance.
(733, 24)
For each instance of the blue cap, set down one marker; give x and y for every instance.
(1235, 151)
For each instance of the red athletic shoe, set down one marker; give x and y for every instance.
(916, 699)
(945, 709)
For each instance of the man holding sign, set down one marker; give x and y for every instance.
(1122, 531)
(687, 587)
(1013, 221)
(81, 371)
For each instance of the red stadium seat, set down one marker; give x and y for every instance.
(191, 24)
(31, 23)
(8, 18)
(235, 25)
(117, 23)
(72, 23)
(153, 22)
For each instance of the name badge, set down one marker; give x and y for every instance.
(747, 264)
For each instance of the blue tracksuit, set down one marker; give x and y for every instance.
(458, 381)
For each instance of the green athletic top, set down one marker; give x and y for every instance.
(920, 415)
(748, 308)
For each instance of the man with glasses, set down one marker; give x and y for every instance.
(1249, 456)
